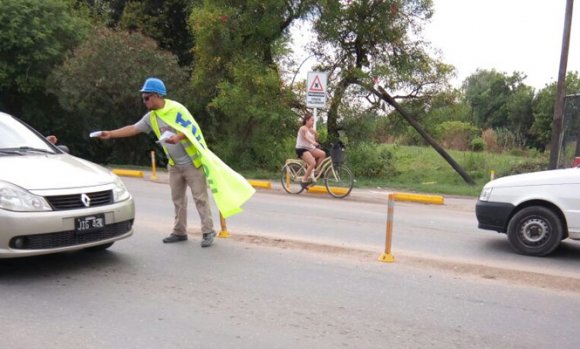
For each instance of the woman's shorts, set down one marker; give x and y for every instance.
(300, 151)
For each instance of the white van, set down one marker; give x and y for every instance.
(536, 210)
(51, 201)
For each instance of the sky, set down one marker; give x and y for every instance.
(505, 35)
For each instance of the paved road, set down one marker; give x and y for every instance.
(284, 285)
(439, 235)
(143, 294)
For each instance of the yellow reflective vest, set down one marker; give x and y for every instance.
(229, 189)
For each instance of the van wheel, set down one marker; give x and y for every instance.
(535, 231)
(99, 247)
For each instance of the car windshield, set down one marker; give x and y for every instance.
(16, 138)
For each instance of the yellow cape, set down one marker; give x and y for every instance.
(230, 190)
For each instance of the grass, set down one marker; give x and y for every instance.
(423, 170)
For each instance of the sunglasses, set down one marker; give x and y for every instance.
(146, 98)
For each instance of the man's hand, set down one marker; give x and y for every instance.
(175, 138)
(105, 135)
(52, 139)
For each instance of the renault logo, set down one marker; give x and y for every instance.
(86, 200)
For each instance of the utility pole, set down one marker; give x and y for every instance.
(561, 89)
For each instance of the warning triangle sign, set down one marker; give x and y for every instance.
(316, 85)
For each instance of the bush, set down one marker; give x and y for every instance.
(456, 134)
(527, 166)
(507, 139)
(490, 139)
(475, 164)
(477, 144)
(371, 160)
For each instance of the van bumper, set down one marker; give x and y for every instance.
(493, 215)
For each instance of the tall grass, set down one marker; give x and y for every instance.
(423, 169)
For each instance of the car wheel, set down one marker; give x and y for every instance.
(99, 247)
(535, 231)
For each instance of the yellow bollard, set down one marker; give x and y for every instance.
(224, 232)
(492, 175)
(153, 173)
(387, 257)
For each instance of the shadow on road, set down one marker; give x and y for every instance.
(569, 251)
(55, 265)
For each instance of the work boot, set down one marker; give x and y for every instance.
(207, 239)
(174, 238)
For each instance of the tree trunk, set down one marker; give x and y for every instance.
(411, 120)
(332, 121)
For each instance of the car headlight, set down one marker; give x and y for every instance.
(485, 194)
(120, 192)
(14, 198)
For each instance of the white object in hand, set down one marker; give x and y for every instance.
(95, 134)
(165, 136)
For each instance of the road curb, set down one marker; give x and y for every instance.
(260, 184)
(356, 195)
(421, 198)
(128, 173)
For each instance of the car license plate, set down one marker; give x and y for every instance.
(89, 224)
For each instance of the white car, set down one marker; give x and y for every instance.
(51, 201)
(536, 210)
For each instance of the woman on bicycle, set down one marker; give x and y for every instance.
(307, 148)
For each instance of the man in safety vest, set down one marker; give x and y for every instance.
(167, 119)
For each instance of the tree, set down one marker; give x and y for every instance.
(35, 36)
(237, 81)
(377, 42)
(166, 22)
(430, 111)
(98, 86)
(543, 109)
(498, 100)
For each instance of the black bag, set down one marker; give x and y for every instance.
(338, 152)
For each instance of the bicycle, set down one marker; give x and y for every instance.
(338, 178)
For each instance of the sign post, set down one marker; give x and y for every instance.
(316, 92)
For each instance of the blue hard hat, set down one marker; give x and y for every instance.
(154, 85)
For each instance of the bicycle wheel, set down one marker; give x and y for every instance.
(338, 180)
(292, 175)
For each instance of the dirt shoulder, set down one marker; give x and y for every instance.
(462, 268)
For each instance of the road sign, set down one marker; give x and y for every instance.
(316, 90)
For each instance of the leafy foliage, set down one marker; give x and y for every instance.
(456, 134)
(238, 83)
(35, 36)
(98, 86)
(498, 100)
(256, 127)
(369, 160)
(365, 42)
(543, 109)
(166, 22)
